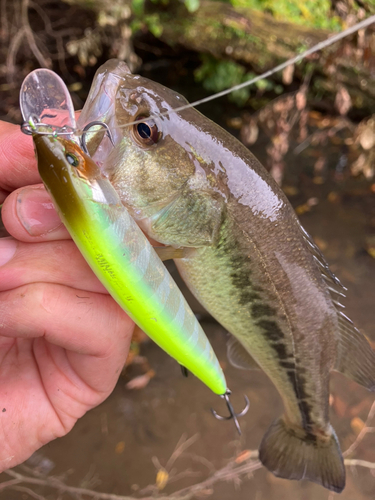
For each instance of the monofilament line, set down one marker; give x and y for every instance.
(319, 46)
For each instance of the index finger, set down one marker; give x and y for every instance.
(18, 165)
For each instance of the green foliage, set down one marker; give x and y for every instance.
(314, 13)
(217, 75)
(153, 23)
(138, 7)
(192, 5)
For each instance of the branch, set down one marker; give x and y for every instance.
(45, 63)
(366, 429)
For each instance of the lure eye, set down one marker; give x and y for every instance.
(146, 133)
(72, 159)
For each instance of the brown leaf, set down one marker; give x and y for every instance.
(120, 447)
(141, 381)
(343, 101)
(243, 456)
(288, 73)
(321, 244)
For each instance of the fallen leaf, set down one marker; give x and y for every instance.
(162, 478)
(141, 381)
(302, 209)
(287, 74)
(343, 101)
(321, 244)
(290, 190)
(243, 456)
(318, 180)
(357, 424)
(333, 197)
(235, 122)
(120, 447)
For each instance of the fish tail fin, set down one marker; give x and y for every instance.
(294, 454)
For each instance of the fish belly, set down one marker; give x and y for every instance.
(234, 286)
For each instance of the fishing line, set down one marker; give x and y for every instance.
(319, 46)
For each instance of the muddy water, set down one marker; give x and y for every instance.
(111, 449)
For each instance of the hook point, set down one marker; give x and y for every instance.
(232, 414)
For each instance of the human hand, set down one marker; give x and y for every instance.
(63, 339)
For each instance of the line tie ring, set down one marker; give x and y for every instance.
(33, 125)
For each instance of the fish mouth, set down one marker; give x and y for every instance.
(100, 106)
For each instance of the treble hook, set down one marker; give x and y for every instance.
(87, 128)
(233, 414)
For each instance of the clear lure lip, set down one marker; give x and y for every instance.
(45, 102)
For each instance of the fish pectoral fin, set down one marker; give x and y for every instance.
(192, 219)
(296, 454)
(169, 252)
(239, 357)
(355, 358)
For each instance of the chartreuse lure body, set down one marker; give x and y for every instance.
(122, 257)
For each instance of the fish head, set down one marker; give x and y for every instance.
(152, 160)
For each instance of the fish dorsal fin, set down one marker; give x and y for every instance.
(239, 357)
(336, 288)
(355, 357)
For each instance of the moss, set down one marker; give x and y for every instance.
(217, 75)
(313, 13)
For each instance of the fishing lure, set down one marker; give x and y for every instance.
(109, 239)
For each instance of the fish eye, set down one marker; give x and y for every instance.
(72, 159)
(146, 133)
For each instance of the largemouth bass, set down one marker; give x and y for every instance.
(122, 257)
(190, 184)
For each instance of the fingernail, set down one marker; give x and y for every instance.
(8, 248)
(36, 212)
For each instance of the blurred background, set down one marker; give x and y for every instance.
(313, 127)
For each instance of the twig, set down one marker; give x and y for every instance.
(354, 462)
(8, 484)
(332, 130)
(366, 429)
(45, 63)
(229, 472)
(182, 445)
(4, 21)
(29, 492)
(232, 471)
(60, 486)
(12, 53)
